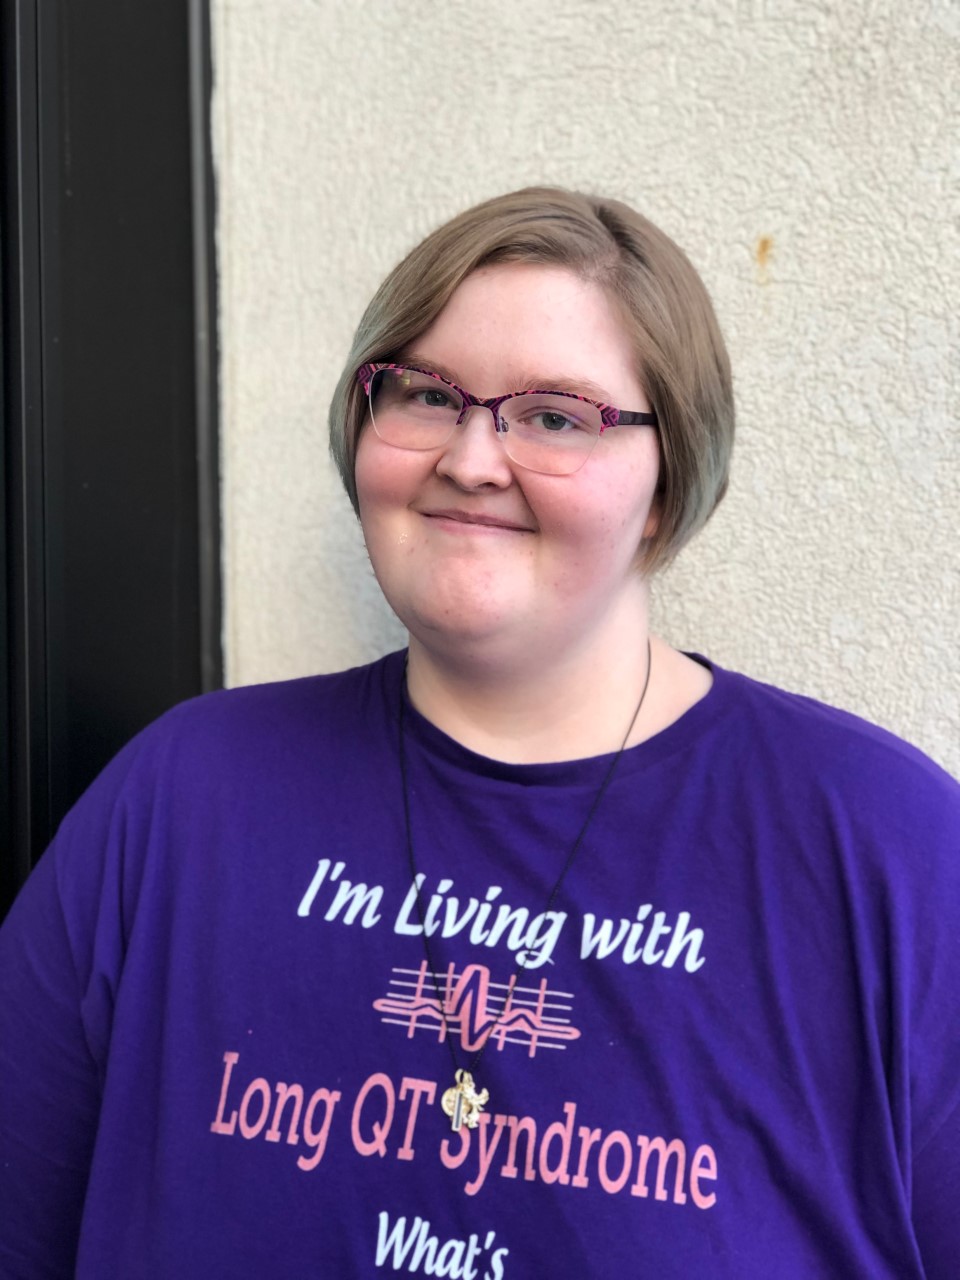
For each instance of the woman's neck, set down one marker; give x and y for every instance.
(542, 711)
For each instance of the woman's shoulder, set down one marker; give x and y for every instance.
(248, 735)
(834, 751)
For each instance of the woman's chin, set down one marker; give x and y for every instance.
(469, 630)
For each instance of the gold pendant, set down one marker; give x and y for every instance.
(462, 1103)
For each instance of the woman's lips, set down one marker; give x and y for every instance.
(474, 521)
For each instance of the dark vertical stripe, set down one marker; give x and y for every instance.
(111, 588)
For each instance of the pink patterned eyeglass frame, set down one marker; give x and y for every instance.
(609, 415)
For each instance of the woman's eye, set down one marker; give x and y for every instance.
(546, 415)
(432, 398)
(555, 421)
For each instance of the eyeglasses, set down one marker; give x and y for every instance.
(553, 432)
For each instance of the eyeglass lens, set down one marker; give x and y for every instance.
(542, 431)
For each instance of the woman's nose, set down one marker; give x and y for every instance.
(474, 455)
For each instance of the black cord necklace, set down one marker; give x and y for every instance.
(463, 1102)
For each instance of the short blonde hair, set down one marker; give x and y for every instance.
(682, 361)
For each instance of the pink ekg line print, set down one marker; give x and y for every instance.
(471, 1006)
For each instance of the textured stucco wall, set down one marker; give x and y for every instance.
(803, 153)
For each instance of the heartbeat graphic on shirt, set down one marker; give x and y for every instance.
(472, 1004)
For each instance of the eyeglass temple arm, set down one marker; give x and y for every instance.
(627, 419)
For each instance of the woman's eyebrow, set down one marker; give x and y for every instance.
(531, 382)
(429, 366)
(573, 386)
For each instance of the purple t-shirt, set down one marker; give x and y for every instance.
(733, 1049)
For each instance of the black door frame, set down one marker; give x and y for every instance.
(109, 502)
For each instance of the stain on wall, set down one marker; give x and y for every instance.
(762, 255)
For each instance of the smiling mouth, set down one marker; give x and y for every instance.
(477, 520)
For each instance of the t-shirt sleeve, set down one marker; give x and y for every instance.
(61, 950)
(49, 1097)
(936, 1176)
(934, 1017)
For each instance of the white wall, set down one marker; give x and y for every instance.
(800, 151)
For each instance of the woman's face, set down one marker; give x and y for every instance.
(473, 551)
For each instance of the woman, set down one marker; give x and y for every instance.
(540, 949)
